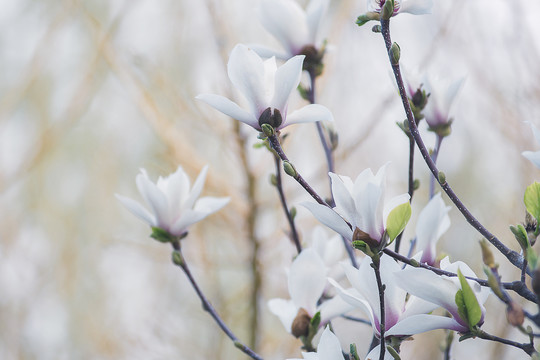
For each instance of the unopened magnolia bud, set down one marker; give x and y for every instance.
(300, 324)
(395, 53)
(442, 178)
(487, 255)
(177, 258)
(514, 314)
(387, 10)
(273, 179)
(416, 184)
(271, 117)
(267, 129)
(289, 169)
(359, 235)
(376, 28)
(293, 212)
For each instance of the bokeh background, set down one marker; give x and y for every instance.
(91, 91)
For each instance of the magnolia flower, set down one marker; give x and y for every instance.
(174, 205)
(364, 294)
(328, 348)
(442, 95)
(534, 156)
(306, 281)
(440, 290)
(267, 88)
(416, 7)
(293, 27)
(360, 203)
(432, 222)
(330, 249)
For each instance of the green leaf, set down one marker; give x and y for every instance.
(393, 352)
(474, 312)
(521, 235)
(532, 258)
(532, 200)
(460, 302)
(316, 320)
(353, 352)
(161, 235)
(397, 220)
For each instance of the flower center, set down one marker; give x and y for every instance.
(272, 117)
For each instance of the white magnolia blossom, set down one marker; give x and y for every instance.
(267, 89)
(174, 205)
(360, 203)
(294, 27)
(416, 7)
(330, 249)
(442, 95)
(306, 281)
(329, 348)
(433, 221)
(440, 290)
(534, 156)
(364, 294)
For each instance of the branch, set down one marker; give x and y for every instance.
(511, 255)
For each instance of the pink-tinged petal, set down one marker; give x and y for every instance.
(230, 108)
(285, 310)
(432, 222)
(416, 7)
(307, 280)
(417, 324)
(285, 20)
(343, 198)
(314, 15)
(246, 71)
(309, 113)
(329, 347)
(286, 81)
(137, 209)
(196, 190)
(394, 295)
(376, 353)
(329, 218)
(156, 199)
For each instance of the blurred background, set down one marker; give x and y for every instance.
(91, 91)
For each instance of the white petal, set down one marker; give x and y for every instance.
(286, 21)
(417, 7)
(197, 189)
(266, 52)
(314, 13)
(210, 204)
(343, 198)
(417, 324)
(432, 222)
(307, 280)
(309, 113)
(536, 131)
(355, 299)
(330, 218)
(137, 209)
(176, 190)
(376, 352)
(329, 347)
(156, 199)
(286, 80)
(334, 307)
(188, 217)
(285, 310)
(533, 157)
(246, 71)
(230, 108)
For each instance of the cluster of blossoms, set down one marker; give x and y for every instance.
(360, 213)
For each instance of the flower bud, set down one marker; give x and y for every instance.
(273, 179)
(387, 10)
(416, 184)
(300, 325)
(177, 258)
(487, 255)
(442, 178)
(268, 130)
(271, 117)
(394, 53)
(514, 314)
(289, 169)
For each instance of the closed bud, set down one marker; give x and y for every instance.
(177, 258)
(300, 324)
(273, 179)
(442, 178)
(289, 169)
(387, 10)
(416, 184)
(293, 212)
(267, 129)
(394, 53)
(514, 314)
(376, 28)
(487, 255)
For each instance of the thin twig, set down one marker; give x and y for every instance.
(381, 286)
(527, 347)
(207, 306)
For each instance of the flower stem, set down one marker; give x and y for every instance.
(514, 257)
(279, 186)
(527, 347)
(380, 285)
(207, 306)
(410, 186)
(434, 156)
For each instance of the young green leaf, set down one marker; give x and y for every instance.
(532, 200)
(474, 312)
(398, 219)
